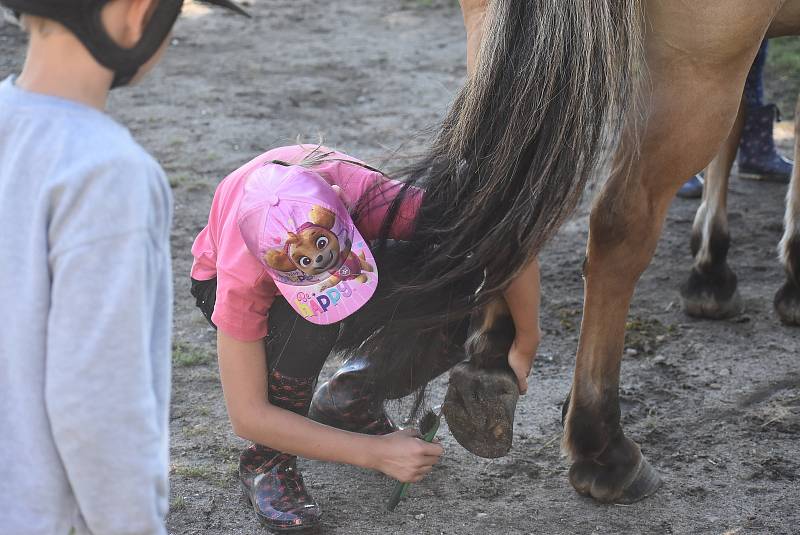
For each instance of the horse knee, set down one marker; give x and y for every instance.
(624, 227)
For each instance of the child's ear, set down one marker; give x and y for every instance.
(137, 15)
(322, 217)
(278, 260)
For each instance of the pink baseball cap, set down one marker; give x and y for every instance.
(293, 221)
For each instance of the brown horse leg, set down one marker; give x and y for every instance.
(787, 299)
(482, 394)
(710, 290)
(698, 55)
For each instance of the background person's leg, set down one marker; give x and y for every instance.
(758, 157)
(692, 188)
(754, 85)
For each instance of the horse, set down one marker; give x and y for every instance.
(561, 93)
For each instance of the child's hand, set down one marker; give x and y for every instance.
(406, 458)
(520, 358)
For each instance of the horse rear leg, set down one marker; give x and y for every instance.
(787, 299)
(692, 100)
(710, 290)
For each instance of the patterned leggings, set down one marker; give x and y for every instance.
(295, 347)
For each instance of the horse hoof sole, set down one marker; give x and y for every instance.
(479, 408)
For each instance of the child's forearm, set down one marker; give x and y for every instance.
(474, 12)
(288, 432)
(522, 297)
(243, 372)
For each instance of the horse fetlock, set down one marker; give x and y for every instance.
(787, 302)
(710, 246)
(620, 474)
(588, 431)
(787, 298)
(490, 339)
(711, 292)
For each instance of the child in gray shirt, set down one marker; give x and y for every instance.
(85, 278)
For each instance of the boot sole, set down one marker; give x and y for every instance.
(273, 529)
(764, 177)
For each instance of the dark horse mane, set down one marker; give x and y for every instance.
(507, 167)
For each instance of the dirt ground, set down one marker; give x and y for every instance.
(715, 405)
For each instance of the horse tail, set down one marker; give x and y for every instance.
(554, 83)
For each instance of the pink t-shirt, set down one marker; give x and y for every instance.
(245, 290)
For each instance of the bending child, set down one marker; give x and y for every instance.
(280, 264)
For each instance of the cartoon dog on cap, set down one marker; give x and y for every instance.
(314, 249)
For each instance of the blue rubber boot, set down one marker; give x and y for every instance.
(692, 188)
(758, 158)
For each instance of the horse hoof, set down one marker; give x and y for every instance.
(479, 408)
(622, 482)
(787, 303)
(711, 296)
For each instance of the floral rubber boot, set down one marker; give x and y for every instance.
(271, 482)
(348, 401)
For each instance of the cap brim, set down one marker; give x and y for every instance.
(227, 4)
(325, 303)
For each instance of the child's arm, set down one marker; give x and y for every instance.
(107, 376)
(474, 12)
(243, 373)
(522, 297)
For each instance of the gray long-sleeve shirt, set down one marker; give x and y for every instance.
(85, 316)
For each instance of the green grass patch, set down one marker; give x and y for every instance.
(197, 430)
(178, 179)
(645, 335)
(184, 355)
(207, 474)
(177, 504)
(569, 318)
(196, 472)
